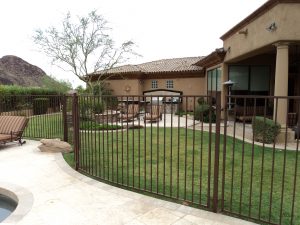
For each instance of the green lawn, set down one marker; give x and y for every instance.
(45, 126)
(169, 162)
(136, 159)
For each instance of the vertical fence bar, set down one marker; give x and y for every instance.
(76, 130)
(224, 152)
(209, 155)
(217, 153)
(64, 115)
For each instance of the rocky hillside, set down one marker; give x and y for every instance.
(14, 70)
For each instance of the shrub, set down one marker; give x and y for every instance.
(40, 106)
(85, 110)
(201, 100)
(88, 108)
(91, 125)
(98, 108)
(265, 130)
(202, 113)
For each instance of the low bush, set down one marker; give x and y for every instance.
(91, 125)
(202, 113)
(89, 108)
(40, 106)
(98, 107)
(265, 130)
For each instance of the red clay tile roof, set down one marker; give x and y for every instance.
(159, 66)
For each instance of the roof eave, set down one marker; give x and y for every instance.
(253, 16)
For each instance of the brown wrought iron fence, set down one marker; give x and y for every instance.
(142, 143)
(260, 178)
(44, 113)
(186, 148)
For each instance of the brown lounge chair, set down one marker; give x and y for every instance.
(129, 113)
(11, 128)
(154, 115)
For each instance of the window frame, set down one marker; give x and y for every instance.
(154, 84)
(169, 84)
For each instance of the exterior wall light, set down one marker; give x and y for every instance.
(244, 32)
(272, 27)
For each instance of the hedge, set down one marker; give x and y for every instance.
(18, 90)
(16, 97)
(40, 106)
(265, 130)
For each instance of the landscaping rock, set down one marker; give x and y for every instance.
(55, 145)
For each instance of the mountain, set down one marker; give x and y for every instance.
(16, 71)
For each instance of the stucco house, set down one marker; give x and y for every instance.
(172, 77)
(261, 55)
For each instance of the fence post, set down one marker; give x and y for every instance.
(217, 154)
(75, 117)
(65, 120)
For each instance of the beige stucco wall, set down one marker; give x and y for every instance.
(189, 86)
(126, 87)
(286, 16)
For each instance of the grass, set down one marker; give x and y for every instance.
(45, 126)
(91, 125)
(170, 163)
(136, 159)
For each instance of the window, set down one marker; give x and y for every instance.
(259, 78)
(239, 75)
(250, 78)
(170, 84)
(214, 79)
(154, 84)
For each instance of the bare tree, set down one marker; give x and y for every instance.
(83, 46)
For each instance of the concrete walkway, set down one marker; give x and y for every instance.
(58, 195)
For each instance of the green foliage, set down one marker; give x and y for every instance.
(265, 130)
(98, 107)
(105, 93)
(40, 106)
(80, 89)
(201, 100)
(18, 90)
(182, 113)
(61, 86)
(202, 113)
(90, 107)
(91, 125)
(14, 97)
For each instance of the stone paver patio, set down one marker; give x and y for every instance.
(52, 193)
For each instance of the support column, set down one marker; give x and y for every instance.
(224, 88)
(281, 82)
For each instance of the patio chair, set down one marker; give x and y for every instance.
(11, 128)
(154, 115)
(129, 113)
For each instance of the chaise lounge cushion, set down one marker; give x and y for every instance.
(7, 137)
(12, 124)
(11, 128)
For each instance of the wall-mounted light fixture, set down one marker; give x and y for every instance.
(272, 27)
(244, 32)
